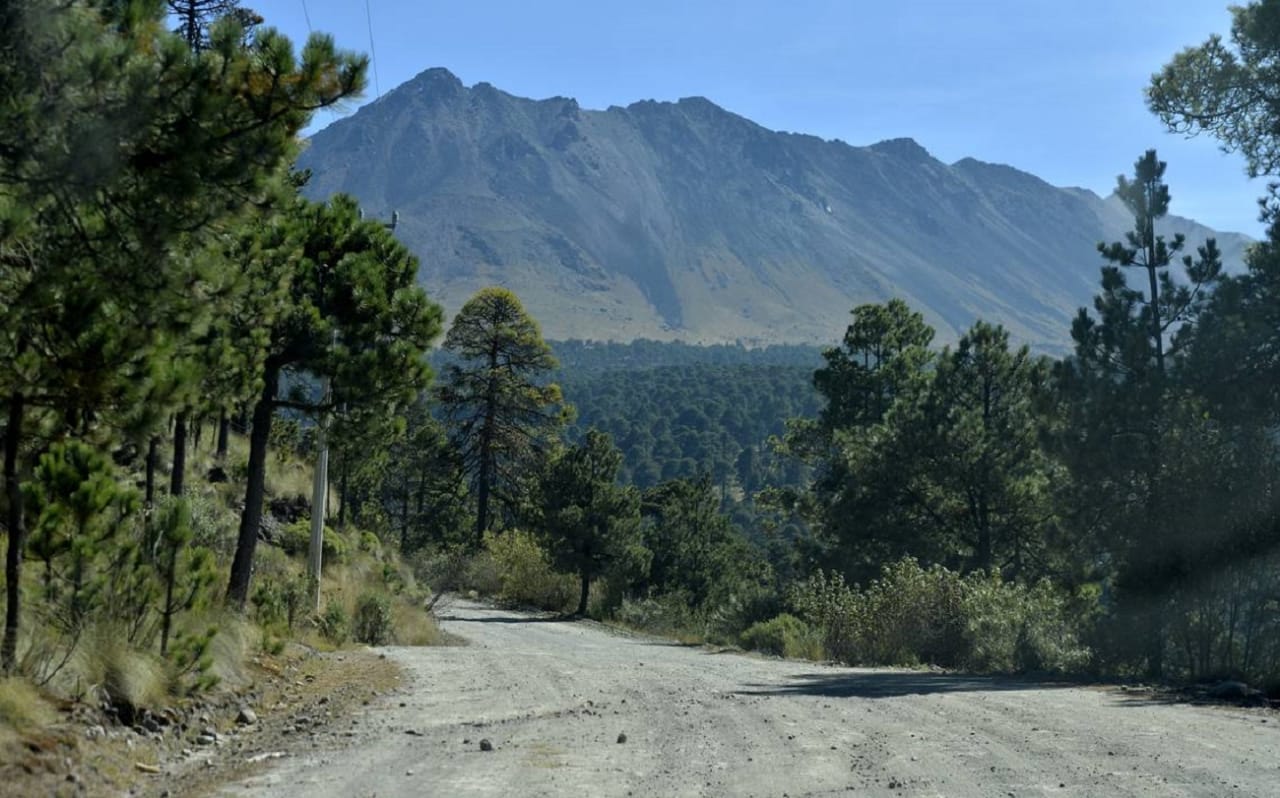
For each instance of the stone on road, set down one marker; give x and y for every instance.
(552, 695)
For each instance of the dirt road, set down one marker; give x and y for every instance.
(554, 697)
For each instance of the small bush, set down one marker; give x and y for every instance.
(279, 601)
(414, 627)
(482, 574)
(525, 573)
(334, 624)
(295, 540)
(913, 615)
(130, 677)
(669, 615)
(784, 636)
(732, 614)
(373, 624)
(370, 543)
(213, 523)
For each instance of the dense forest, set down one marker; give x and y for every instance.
(170, 301)
(685, 420)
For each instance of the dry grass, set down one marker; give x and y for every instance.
(23, 708)
(105, 658)
(414, 626)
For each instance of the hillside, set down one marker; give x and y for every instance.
(685, 221)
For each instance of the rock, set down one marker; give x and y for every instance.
(206, 739)
(622, 738)
(485, 745)
(94, 732)
(246, 717)
(289, 509)
(270, 530)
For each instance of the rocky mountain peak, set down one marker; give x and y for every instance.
(684, 220)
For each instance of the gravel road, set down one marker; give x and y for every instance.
(554, 698)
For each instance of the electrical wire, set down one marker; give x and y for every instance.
(373, 53)
(306, 15)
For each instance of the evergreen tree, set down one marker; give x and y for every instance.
(592, 524)
(350, 311)
(118, 141)
(977, 473)
(1120, 398)
(695, 550)
(1228, 90)
(501, 409)
(854, 500)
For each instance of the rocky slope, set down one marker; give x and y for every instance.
(683, 220)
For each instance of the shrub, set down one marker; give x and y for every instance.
(526, 575)
(738, 611)
(1017, 627)
(279, 600)
(370, 543)
(784, 636)
(295, 540)
(333, 623)
(213, 524)
(913, 615)
(373, 624)
(482, 574)
(669, 614)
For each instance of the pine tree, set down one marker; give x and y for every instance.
(1120, 397)
(498, 402)
(977, 473)
(347, 308)
(119, 140)
(592, 524)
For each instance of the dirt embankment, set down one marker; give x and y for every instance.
(297, 702)
(571, 709)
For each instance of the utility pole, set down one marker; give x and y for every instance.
(319, 495)
(320, 482)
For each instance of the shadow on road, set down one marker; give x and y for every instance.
(509, 619)
(890, 685)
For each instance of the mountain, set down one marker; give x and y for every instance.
(685, 221)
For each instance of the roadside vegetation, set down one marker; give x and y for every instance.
(182, 333)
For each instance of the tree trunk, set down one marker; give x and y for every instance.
(251, 517)
(224, 433)
(487, 466)
(342, 495)
(166, 616)
(153, 454)
(405, 496)
(178, 474)
(17, 535)
(582, 597)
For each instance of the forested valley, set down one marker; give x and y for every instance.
(183, 337)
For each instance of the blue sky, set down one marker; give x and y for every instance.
(1054, 88)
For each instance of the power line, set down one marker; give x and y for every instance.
(373, 54)
(306, 15)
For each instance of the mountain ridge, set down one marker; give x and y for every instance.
(682, 220)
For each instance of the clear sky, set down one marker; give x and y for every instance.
(1054, 88)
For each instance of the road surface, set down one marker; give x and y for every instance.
(554, 698)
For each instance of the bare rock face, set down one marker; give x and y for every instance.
(683, 220)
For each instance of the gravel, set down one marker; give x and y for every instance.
(551, 696)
